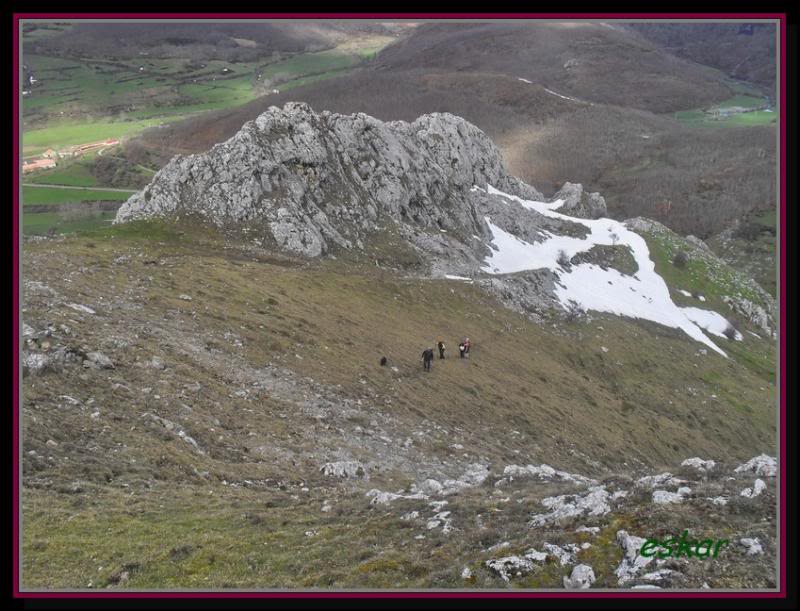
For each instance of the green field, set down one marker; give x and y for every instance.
(39, 223)
(54, 195)
(64, 134)
(706, 117)
(113, 99)
(74, 174)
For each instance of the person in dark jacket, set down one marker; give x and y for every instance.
(440, 346)
(427, 359)
(461, 349)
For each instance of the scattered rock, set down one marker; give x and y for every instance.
(762, 465)
(661, 480)
(35, 363)
(544, 473)
(98, 360)
(632, 563)
(758, 487)
(535, 555)
(564, 554)
(156, 363)
(510, 566)
(595, 502)
(431, 487)
(343, 468)
(382, 498)
(662, 497)
(702, 466)
(592, 530)
(582, 577)
(753, 546)
(661, 575)
(81, 308)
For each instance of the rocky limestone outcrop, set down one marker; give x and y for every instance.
(580, 204)
(318, 180)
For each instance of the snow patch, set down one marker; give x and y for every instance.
(452, 277)
(644, 295)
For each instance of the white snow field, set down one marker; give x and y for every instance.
(644, 295)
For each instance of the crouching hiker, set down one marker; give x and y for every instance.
(461, 349)
(467, 346)
(427, 359)
(440, 346)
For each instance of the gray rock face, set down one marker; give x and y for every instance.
(317, 180)
(580, 204)
(582, 577)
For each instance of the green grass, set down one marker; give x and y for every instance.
(308, 64)
(701, 274)
(704, 118)
(40, 223)
(59, 135)
(744, 101)
(54, 195)
(76, 174)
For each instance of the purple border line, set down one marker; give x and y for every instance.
(781, 593)
(17, 229)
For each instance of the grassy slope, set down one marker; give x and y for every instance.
(755, 256)
(647, 401)
(53, 195)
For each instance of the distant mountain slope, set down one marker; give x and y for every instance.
(510, 80)
(231, 41)
(599, 63)
(742, 50)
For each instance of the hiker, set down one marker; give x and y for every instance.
(427, 358)
(440, 346)
(384, 360)
(461, 348)
(467, 346)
